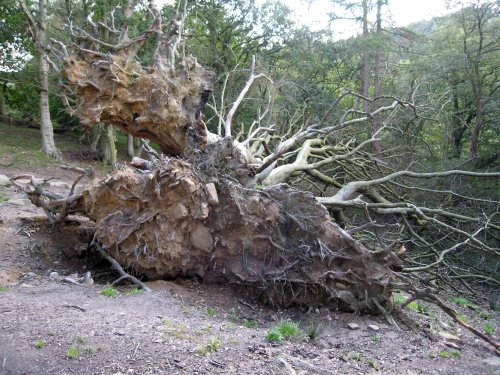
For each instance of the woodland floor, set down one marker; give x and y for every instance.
(44, 322)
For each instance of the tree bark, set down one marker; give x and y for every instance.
(3, 106)
(375, 121)
(38, 30)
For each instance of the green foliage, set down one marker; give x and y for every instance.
(284, 330)
(3, 198)
(249, 323)
(210, 347)
(356, 356)
(489, 328)
(3, 288)
(40, 344)
(72, 352)
(463, 318)
(313, 330)
(109, 292)
(134, 291)
(399, 299)
(210, 312)
(274, 336)
(485, 315)
(463, 302)
(450, 354)
(376, 338)
(233, 315)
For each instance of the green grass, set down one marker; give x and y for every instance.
(399, 299)
(88, 350)
(284, 330)
(489, 328)
(483, 314)
(274, 336)
(210, 312)
(372, 363)
(40, 344)
(3, 288)
(110, 292)
(233, 315)
(249, 323)
(3, 198)
(313, 330)
(72, 352)
(463, 302)
(463, 318)
(134, 291)
(376, 338)
(356, 356)
(450, 354)
(210, 347)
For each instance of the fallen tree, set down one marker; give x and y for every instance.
(219, 208)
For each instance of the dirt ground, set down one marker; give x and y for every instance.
(48, 326)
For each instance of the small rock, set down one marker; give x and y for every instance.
(448, 336)
(373, 327)
(213, 199)
(53, 275)
(353, 326)
(4, 180)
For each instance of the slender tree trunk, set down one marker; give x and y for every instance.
(95, 134)
(109, 148)
(48, 145)
(130, 146)
(365, 73)
(474, 141)
(375, 121)
(3, 107)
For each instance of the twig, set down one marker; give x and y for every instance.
(120, 270)
(247, 305)
(75, 307)
(427, 296)
(136, 348)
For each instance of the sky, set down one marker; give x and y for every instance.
(398, 13)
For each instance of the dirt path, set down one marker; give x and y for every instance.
(51, 327)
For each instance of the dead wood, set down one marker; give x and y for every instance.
(163, 106)
(428, 296)
(193, 217)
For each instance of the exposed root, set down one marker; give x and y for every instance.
(116, 266)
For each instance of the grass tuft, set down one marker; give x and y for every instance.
(72, 352)
(210, 347)
(40, 344)
(110, 292)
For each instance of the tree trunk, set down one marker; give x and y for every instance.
(365, 69)
(130, 146)
(48, 145)
(3, 106)
(108, 146)
(375, 121)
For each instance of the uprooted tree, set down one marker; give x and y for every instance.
(220, 209)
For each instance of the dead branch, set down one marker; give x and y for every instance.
(116, 266)
(427, 296)
(241, 96)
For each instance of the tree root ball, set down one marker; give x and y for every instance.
(178, 220)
